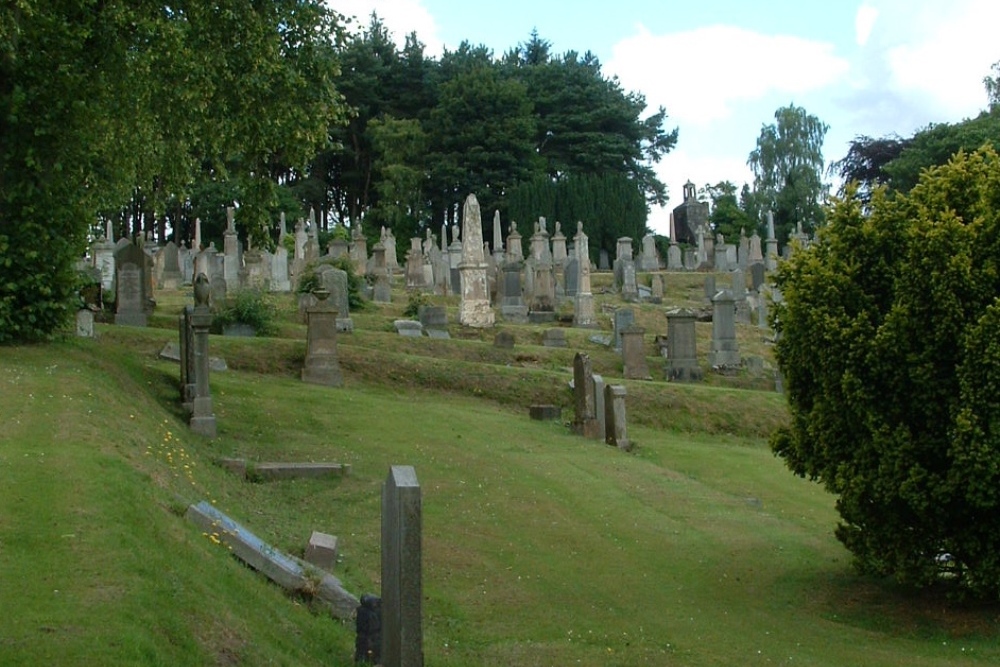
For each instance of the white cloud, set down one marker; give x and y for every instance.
(700, 76)
(864, 22)
(401, 17)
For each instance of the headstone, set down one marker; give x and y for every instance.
(186, 347)
(415, 278)
(515, 252)
(170, 278)
(599, 410)
(743, 252)
(585, 420)
(682, 348)
(474, 308)
(280, 281)
(382, 290)
(554, 338)
(634, 353)
(625, 279)
(545, 412)
(402, 589)
(616, 426)
(725, 350)
(504, 340)
(710, 287)
(771, 253)
(433, 317)
(322, 365)
(498, 253)
(603, 263)
(675, 259)
(583, 304)
(648, 259)
(358, 251)
(186, 257)
(757, 275)
(656, 288)
(103, 253)
(755, 254)
(739, 284)
(335, 282)
(129, 303)
(231, 251)
(391, 260)
(509, 296)
(85, 323)
(559, 255)
(623, 319)
(409, 328)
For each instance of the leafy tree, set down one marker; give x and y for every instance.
(400, 146)
(788, 165)
(727, 217)
(890, 348)
(99, 97)
(992, 84)
(937, 143)
(866, 161)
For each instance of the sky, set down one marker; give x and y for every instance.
(721, 68)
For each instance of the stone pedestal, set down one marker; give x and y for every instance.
(202, 417)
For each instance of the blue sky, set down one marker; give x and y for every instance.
(722, 67)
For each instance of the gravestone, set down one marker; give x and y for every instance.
(725, 350)
(616, 427)
(634, 353)
(85, 323)
(170, 278)
(433, 317)
(710, 287)
(504, 340)
(623, 319)
(583, 304)
(509, 296)
(739, 284)
(231, 262)
(682, 348)
(335, 281)
(599, 411)
(603, 263)
(571, 276)
(648, 259)
(656, 288)
(382, 291)
(474, 308)
(186, 335)
(675, 259)
(585, 420)
(202, 416)
(515, 253)
(415, 278)
(771, 244)
(391, 260)
(103, 254)
(757, 276)
(559, 254)
(554, 338)
(280, 281)
(129, 303)
(322, 365)
(409, 328)
(402, 588)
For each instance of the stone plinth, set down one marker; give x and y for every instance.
(402, 589)
(322, 365)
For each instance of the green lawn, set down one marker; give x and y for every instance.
(540, 548)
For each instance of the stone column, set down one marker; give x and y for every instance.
(402, 590)
(583, 306)
(202, 416)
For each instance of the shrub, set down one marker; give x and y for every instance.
(252, 307)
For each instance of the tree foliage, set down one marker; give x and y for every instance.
(865, 163)
(787, 165)
(101, 97)
(727, 216)
(890, 348)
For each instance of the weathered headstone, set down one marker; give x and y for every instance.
(402, 587)
(583, 304)
(634, 353)
(85, 323)
(554, 338)
(725, 350)
(616, 426)
(682, 347)
(585, 421)
(322, 365)
(474, 308)
(409, 328)
(170, 278)
(623, 319)
(335, 281)
(504, 340)
(599, 411)
(382, 291)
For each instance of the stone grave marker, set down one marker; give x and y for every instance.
(634, 353)
(616, 427)
(725, 350)
(623, 319)
(585, 421)
(402, 588)
(682, 349)
(474, 308)
(554, 338)
(322, 365)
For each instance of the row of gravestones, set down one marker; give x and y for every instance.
(599, 408)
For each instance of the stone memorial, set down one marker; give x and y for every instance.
(402, 588)
(131, 299)
(682, 347)
(583, 303)
(85, 323)
(585, 419)
(623, 319)
(474, 308)
(382, 290)
(504, 340)
(634, 353)
(202, 416)
(615, 424)
(725, 351)
(554, 338)
(599, 411)
(322, 365)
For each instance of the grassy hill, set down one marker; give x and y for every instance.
(540, 548)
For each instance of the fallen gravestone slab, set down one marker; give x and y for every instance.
(409, 328)
(271, 471)
(287, 571)
(545, 412)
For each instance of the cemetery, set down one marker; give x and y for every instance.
(575, 473)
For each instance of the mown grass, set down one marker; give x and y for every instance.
(540, 548)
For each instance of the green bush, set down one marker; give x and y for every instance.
(252, 307)
(415, 300)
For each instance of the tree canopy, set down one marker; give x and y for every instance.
(889, 342)
(787, 165)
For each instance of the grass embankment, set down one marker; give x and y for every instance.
(540, 548)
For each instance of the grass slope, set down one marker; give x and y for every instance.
(540, 548)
